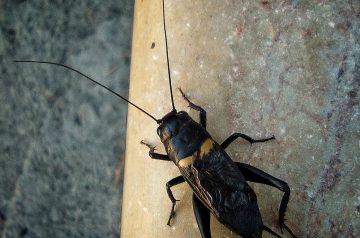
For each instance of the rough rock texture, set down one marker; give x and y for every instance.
(288, 68)
(62, 137)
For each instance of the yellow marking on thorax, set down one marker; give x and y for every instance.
(206, 147)
(185, 162)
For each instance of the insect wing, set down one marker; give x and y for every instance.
(219, 184)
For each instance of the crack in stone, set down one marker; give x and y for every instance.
(342, 110)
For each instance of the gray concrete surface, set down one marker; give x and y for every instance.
(61, 137)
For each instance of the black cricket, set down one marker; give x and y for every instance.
(219, 184)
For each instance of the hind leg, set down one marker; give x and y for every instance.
(258, 176)
(202, 215)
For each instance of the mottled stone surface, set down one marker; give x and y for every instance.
(61, 137)
(283, 68)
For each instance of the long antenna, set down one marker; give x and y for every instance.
(87, 77)
(167, 58)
